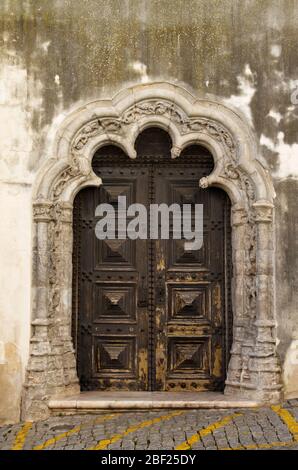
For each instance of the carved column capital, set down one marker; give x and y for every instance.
(263, 211)
(42, 210)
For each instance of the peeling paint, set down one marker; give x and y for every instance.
(288, 166)
(45, 46)
(141, 70)
(275, 50)
(217, 365)
(275, 115)
(161, 265)
(246, 90)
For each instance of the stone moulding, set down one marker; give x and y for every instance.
(254, 370)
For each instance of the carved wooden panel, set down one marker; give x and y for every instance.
(149, 315)
(193, 313)
(112, 325)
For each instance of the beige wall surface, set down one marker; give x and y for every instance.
(57, 55)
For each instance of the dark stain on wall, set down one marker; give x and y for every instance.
(202, 43)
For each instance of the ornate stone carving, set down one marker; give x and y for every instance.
(215, 130)
(92, 129)
(254, 365)
(234, 172)
(263, 212)
(154, 107)
(79, 167)
(175, 151)
(204, 183)
(42, 211)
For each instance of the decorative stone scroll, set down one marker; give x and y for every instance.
(254, 370)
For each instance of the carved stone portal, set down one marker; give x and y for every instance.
(254, 370)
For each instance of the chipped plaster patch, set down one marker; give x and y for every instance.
(246, 88)
(291, 108)
(293, 84)
(140, 69)
(275, 51)
(267, 142)
(288, 161)
(275, 115)
(57, 79)
(45, 46)
(291, 112)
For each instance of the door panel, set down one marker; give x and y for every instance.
(149, 315)
(112, 326)
(189, 290)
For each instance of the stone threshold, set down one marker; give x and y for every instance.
(92, 401)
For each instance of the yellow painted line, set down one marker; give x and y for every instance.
(261, 446)
(205, 431)
(52, 440)
(21, 437)
(72, 431)
(103, 444)
(288, 419)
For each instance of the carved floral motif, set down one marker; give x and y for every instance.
(42, 210)
(157, 108)
(78, 167)
(154, 107)
(234, 172)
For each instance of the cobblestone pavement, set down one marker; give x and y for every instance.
(263, 428)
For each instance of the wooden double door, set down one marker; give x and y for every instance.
(147, 314)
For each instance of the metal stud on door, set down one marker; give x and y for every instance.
(148, 315)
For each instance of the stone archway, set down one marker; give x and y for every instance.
(254, 370)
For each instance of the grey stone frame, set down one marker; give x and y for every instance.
(254, 370)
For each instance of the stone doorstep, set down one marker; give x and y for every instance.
(148, 401)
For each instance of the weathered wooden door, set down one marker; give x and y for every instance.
(149, 315)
